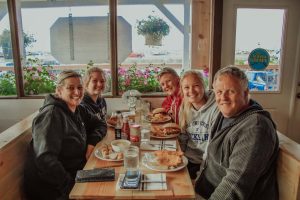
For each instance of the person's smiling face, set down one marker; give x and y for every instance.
(169, 83)
(231, 97)
(193, 90)
(71, 92)
(96, 84)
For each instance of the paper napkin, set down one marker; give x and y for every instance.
(159, 145)
(148, 182)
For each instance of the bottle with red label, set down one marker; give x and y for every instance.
(135, 134)
(125, 128)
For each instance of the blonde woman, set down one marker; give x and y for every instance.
(94, 84)
(63, 136)
(197, 113)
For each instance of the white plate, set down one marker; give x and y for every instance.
(164, 137)
(99, 155)
(148, 165)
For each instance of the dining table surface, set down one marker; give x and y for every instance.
(179, 184)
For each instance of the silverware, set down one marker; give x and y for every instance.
(153, 182)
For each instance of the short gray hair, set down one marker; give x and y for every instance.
(63, 75)
(167, 70)
(233, 71)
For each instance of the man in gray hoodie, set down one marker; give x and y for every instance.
(242, 152)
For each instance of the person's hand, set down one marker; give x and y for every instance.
(89, 151)
(171, 114)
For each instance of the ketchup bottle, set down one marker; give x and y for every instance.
(125, 128)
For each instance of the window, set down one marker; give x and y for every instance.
(71, 34)
(146, 43)
(7, 75)
(64, 37)
(260, 28)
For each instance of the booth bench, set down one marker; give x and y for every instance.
(14, 142)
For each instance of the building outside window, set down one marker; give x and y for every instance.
(260, 28)
(77, 35)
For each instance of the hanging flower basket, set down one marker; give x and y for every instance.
(153, 40)
(153, 29)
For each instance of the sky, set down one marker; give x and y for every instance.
(255, 27)
(259, 28)
(47, 16)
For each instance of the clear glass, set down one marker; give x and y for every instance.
(132, 158)
(266, 28)
(7, 75)
(140, 59)
(145, 109)
(145, 135)
(67, 35)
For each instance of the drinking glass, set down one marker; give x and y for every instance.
(145, 109)
(145, 133)
(131, 159)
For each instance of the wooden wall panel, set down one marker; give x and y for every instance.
(201, 34)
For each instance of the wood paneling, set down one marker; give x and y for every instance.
(201, 33)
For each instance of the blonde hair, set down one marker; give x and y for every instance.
(185, 107)
(63, 75)
(88, 74)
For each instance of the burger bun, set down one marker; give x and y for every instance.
(171, 125)
(159, 110)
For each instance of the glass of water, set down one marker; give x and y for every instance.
(145, 135)
(131, 159)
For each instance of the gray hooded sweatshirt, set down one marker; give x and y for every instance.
(194, 141)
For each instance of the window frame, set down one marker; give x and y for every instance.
(213, 10)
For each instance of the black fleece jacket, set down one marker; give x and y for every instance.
(59, 142)
(99, 107)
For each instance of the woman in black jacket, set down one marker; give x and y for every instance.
(63, 137)
(94, 84)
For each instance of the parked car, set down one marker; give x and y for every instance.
(6, 64)
(262, 80)
(50, 62)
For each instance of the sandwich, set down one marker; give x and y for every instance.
(159, 111)
(170, 129)
(165, 130)
(159, 115)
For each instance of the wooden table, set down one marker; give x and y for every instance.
(178, 183)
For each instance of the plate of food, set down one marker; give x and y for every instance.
(165, 161)
(169, 130)
(112, 121)
(159, 115)
(106, 152)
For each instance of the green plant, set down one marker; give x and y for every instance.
(38, 79)
(154, 26)
(5, 42)
(7, 84)
(142, 79)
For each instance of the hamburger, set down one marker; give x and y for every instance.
(165, 130)
(170, 129)
(159, 111)
(159, 115)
